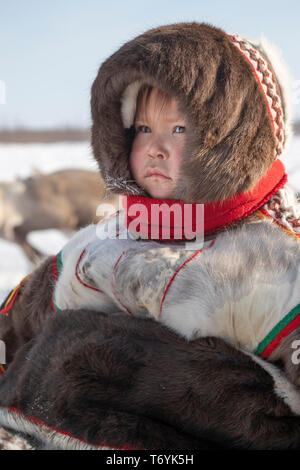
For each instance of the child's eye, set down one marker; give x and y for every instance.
(179, 129)
(144, 129)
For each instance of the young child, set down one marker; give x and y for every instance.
(187, 114)
(158, 145)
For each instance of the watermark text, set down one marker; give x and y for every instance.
(296, 353)
(2, 352)
(167, 222)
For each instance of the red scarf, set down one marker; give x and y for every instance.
(217, 216)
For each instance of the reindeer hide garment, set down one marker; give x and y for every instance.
(93, 376)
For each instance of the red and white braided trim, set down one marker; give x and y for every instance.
(266, 80)
(284, 212)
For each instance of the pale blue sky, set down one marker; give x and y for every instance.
(50, 50)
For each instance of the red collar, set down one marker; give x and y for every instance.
(217, 216)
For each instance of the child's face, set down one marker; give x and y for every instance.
(157, 148)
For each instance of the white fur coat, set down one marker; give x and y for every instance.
(238, 287)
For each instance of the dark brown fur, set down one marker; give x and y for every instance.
(30, 310)
(122, 381)
(230, 144)
(126, 381)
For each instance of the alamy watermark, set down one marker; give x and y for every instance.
(173, 221)
(296, 354)
(2, 92)
(2, 352)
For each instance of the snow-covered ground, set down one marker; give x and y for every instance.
(20, 160)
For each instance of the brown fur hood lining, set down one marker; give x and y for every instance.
(230, 143)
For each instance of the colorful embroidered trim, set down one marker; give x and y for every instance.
(283, 328)
(283, 216)
(263, 212)
(12, 297)
(266, 80)
(179, 269)
(289, 223)
(52, 429)
(9, 304)
(78, 277)
(57, 265)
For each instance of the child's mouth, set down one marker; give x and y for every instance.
(153, 173)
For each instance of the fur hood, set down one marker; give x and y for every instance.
(237, 121)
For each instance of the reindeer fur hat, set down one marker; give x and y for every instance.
(232, 93)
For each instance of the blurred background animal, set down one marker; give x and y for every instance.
(65, 200)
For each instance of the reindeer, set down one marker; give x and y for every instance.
(65, 200)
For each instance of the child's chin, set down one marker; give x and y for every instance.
(160, 194)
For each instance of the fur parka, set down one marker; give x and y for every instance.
(235, 100)
(83, 379)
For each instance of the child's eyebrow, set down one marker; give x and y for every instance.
(170, 120)
(176, 119)
(140, 120)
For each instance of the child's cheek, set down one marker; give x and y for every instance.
(134, 162)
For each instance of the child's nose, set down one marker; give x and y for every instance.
(158, 150)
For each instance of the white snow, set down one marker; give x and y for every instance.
(19, 161)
